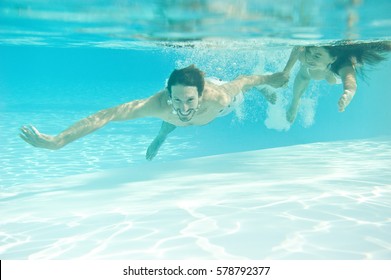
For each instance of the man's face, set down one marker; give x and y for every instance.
(185, 101)
(317, 58)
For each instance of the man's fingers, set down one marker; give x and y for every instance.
(21, 135)
(150, 155)
(28, 140)
(29, 134)
(24, 130)
(34, 130)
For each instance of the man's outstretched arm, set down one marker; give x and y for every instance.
(127, 111)
(154, 147)
(246, 82)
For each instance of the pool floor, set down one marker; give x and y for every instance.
(329, 200)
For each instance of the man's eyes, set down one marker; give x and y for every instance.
(188, 101)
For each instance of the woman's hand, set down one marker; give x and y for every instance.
(278, 79)
(345, 99)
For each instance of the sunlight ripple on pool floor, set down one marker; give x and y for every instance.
(314, 201)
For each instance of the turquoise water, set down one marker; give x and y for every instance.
(52, 88)
(214, 191)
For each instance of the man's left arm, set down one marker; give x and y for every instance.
(246, 82)
(154, 147)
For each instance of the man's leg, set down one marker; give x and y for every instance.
(153, 149)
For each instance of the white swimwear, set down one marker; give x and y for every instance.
(236, 101)
(337, 78)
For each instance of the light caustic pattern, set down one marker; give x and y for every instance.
(314, 201)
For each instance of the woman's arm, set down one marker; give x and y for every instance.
(348, 76)
(294, 56)
(299, 87)
(244, 83)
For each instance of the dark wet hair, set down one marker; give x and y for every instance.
(358, 54)
(188, 76)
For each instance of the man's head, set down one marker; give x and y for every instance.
(185, 87)
(188, 76)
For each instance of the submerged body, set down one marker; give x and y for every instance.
(334, 64)
(187, 100)
(315, 65)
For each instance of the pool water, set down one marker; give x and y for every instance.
(246, 186)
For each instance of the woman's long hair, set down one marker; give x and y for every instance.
(358, 54)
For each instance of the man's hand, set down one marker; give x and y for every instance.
(32, 136)
(278, 79)
(154, 147)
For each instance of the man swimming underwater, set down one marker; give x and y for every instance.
(188, 99)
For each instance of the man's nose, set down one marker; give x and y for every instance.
(184, 108)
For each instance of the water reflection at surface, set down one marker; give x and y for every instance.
(73, 22)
